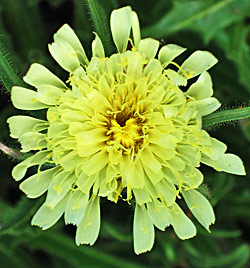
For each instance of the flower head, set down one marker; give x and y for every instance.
(121, 129)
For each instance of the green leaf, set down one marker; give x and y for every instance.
(28, 34)
(235, 259)
(12, 218)
(200, 16)
(100, 20)
(8, 260)
(222, 184)
(116, 232)
(222, 233)
(236, 47)
(63, 247)
(168, 249)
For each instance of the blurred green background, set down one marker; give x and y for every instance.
(223, 28)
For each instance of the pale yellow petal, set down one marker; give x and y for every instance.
(229, 163)
(134, 69)
(49, 94)
(20, 169)
(97, 47)
(200, 207)
(197, 63)
(202, 88)
(70, 161)
(26, 99)
(216, 150)
(192, 177)
(159, 214)
(92, 137)
(19, 124)
(165, 140)
(137, 181)
(142, 196)
(175, 78)
(183, 226)
(120, 23)
(59, 187)
(135, 28)
(89, 227)
(143, 230)
(38, 75)
(96, 163)
(167, 191)
(46, 216)
(88, 150)
(32, 141)
(67, 36)
(38, 184)
(149, 160)
(148, 48)
(168, 53)
(207, 106)
(76, 207)
(65, 55)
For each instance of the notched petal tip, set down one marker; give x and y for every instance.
(168, 53)
(200, 207)
(67, 49)
(46, 217)
(25, 99)
(89, 226)
(39, 75)
(143, 251)
(183, 226)
(148, 47)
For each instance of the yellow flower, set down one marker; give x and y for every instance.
(122, 129)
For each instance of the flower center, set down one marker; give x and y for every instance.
(122, 118)
(126, 131)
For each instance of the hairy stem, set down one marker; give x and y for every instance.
(100, 19)
(10, 152)
(226, 116)
(8, 76)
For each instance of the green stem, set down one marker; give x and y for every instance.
(8, 76)
(101, 23)
(226, 116)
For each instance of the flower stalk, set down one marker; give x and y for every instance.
(10, 152)
(8, 76)
(100, 21)
(226, 116)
